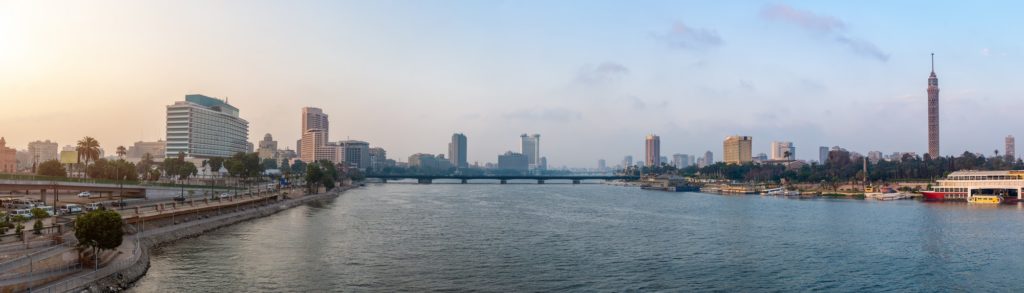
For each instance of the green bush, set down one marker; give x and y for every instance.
(37, 228)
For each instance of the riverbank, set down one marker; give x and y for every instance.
(178, 231)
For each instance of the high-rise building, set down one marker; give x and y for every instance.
(822, 155)
(156, 149)
(652, 150)
(709, 158)
(313, 119)
(874, 156)
(933, 113)
(601, 165)
(378, 158)
(531, 149)
(1010, 148)
(737, 149)
(680, 160)
(627, 161)
(783, 151)
(268, 147)
(693, 160)
(457, 151)
(8, 158)
(428, 162)
(205, 127)
(42, 151)
(513, 161)
(313, 146)
(354, 153)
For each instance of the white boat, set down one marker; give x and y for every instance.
(887, 196)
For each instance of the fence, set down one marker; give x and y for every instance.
(89, 277)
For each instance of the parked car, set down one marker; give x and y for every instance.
(180, 198)
(85, 194)
(92, 206)
(71, 209)
(21, 212)
(22, 204)
(225, 195)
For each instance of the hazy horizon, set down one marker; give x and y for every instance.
(591, 77)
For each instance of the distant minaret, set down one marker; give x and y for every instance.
(933, 113)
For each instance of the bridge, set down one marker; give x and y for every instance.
(55, 186)
(503, 179)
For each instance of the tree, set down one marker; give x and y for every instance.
(178, 167)
(299, 167)
(285, 168)
(215, 164)
(121, 151)
(145, 165)
(313, 177)
(269, 164)
(39, 213)
(244, 165)
(99, 229)
(88, 149)
(37, 228)
(51, 168)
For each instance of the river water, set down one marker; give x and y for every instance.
(552, 237)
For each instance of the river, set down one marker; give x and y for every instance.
(590, 237)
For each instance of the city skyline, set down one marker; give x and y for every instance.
(672, 70)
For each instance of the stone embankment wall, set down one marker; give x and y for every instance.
(133, 273)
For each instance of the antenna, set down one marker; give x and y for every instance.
(933, 62)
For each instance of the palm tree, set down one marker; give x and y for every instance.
(88, 149)
(121, 151)
(787, 154)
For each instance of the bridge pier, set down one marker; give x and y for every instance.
(425, 181)
(540, 181)
(575, 181)
(503, 181)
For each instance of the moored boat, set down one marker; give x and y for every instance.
(979, 186)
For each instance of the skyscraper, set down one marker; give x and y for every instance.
(1010, 148)
(601, 165)
(822, 155)
(457, 151)
(315, 129)
(267, 148)
(709, 158)
(680, 160)
(782, 151)
(933, 113)
(737, 149)
(531, 149)
(652, 149)
(205, 127)
(627, 161)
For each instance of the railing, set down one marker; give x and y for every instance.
(82, 280)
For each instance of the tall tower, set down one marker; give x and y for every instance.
(652, 154)
(933, 113)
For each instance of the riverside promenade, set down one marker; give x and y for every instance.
(57, 268)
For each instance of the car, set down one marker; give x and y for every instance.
(85, 194)
(179, 198)
(21, 212)
(22, 204)
(71, 209)
(93, 206)
(224, 195)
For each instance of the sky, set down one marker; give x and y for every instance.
(592, 77)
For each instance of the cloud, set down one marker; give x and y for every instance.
(550, 114)
(805, 19)
(864, 48)
(603, 73)
(746, 85)
(823, 25)
(682, 36)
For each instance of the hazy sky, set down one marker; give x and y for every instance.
(592, 77)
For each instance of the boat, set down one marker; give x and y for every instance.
(986, 199)
(978, 186)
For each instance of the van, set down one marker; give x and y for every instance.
(71, 209)
(23, 204)
(48, 209)
(21, 212)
